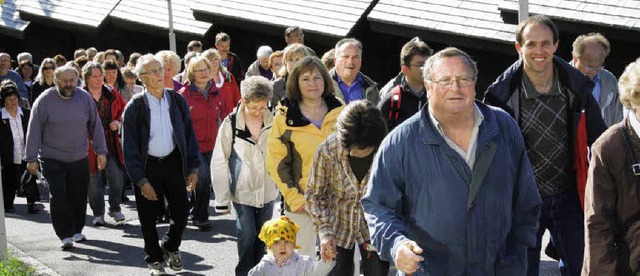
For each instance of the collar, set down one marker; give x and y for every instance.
(165, 95)
(596, 79)
(357, 80)
(633, 120)
(6, 115)
(477, 117)
(418, 94)
(488, 126)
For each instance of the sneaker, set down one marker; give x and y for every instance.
(173, 258)
(202, 225)
(117, 216)
(66, 243)
(79, 237)
(98, 221)
(156, 268)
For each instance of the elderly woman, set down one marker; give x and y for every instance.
(338, 180)
(303, 120)
(612, 195)
(238, 169)
(44, 79)
(208, 108)
(12, 134)
(110, 106)
(223, 79)
(260, 67)
(171, 65)
(291, 55)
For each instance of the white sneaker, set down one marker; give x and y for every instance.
(117, 216)
(98, 221)
(66, 243)
(79, 237)
(156, 268)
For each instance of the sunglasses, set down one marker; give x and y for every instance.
(47, 68)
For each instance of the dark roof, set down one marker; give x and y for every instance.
(154, 13)
(468, 18)
(328, 17)
(619, 14)
(10, 23)
(84, 13)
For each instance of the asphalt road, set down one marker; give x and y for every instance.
(118, 250)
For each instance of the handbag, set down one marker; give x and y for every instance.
(28, 186)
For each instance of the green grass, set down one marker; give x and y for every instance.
(14, 267)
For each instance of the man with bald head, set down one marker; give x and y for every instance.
(7, 73)
(589, 53)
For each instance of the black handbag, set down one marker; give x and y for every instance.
(28, 186)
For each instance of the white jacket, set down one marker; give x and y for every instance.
(242, 178)
(300, 265)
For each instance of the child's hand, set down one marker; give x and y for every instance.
(328, 249)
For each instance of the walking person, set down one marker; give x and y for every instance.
(239, 173)
(61, 120)
(161, 158)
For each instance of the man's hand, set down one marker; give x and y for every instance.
(408, 257)
(32, 167)
(192, 182)
(328, 249)
(148, 192)
(114, 125)
(102, 161)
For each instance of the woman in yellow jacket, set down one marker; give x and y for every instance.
(304, 118)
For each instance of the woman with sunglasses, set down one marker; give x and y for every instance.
(44, 79)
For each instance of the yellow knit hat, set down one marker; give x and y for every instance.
(279, 229)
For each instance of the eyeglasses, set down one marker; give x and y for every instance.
(463, 82)
(47, 68)
(154, 71)
(206, 70)
(419, 65)
(256, 109)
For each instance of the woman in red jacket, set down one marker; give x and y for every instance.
(209, 106)
(223, 79)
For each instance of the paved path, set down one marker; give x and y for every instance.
(118, 250)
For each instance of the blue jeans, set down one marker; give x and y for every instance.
(199, 201)
(248, 224)
(97, 186)
(563, 216)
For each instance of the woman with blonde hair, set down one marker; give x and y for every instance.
(290, 56)
(223, 79)
(171, 65)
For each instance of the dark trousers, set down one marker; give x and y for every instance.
(248, 224)
(68, 185)
(199, 201)
(10, 181)
(371, 263)
(563, 216)
(168, 181)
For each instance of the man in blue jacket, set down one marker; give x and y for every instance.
(160, 153)
(451, 190)
(552, 102)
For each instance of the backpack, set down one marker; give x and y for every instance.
(395, 104)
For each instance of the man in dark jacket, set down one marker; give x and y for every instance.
(549, 99)
(405, 98)
(229, 60)
(158, 158)
(348, 82)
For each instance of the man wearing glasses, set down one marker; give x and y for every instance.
(552, 103)
(451, 190)
(589, 53)
(405, 94)
(161, 157)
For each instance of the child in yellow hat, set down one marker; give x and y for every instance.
(280, 237)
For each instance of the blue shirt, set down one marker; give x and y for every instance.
(596, 88)
(160, 128)
(225, 62)
(15, 77)
(353, 92)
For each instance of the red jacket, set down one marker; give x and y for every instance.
(206, 114)
(231, 92)
(117, 104)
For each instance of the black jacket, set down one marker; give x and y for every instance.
(6, 136)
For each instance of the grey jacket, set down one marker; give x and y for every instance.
(369, 87)
(610, 105)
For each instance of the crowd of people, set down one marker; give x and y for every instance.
(418, 175)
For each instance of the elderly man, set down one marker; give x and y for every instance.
(159, 157)
(61, 120)
(229, 60)
(7, 74)
(406, 93)
(589, 53)
(452, 191)
(349, 83)
(559, 119)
